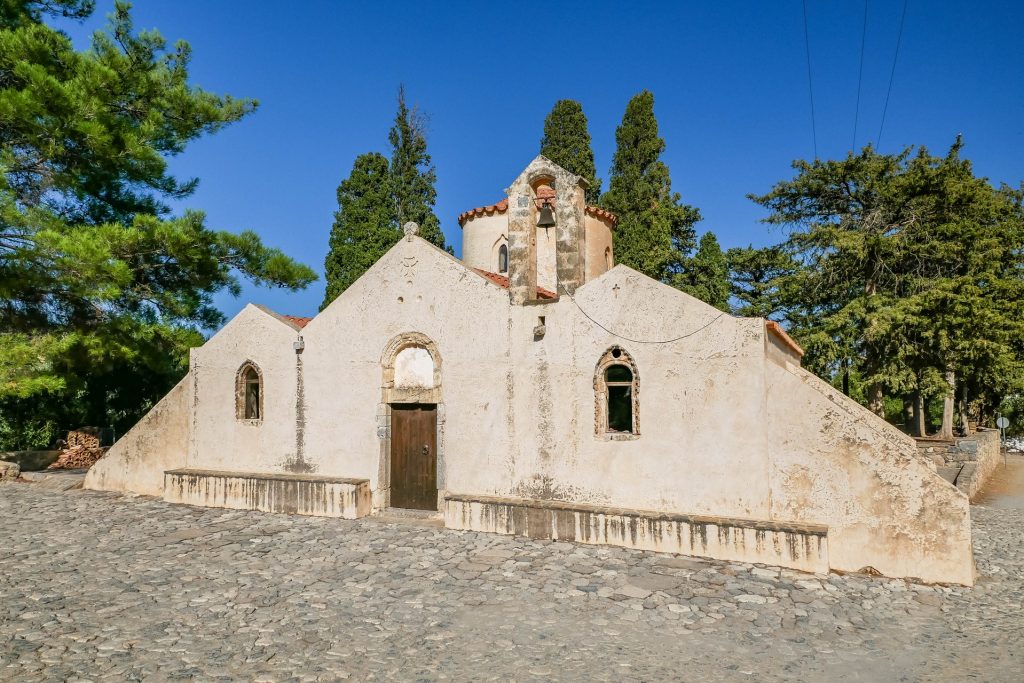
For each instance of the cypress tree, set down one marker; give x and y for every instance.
(655, 231)
(364, 225)
(412, 173)
(707, 274)
(566, 142)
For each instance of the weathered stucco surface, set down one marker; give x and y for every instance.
(300, 494)
(886, 508)
(799, 546)
(158, 442)
(729, 425)
(481, 237)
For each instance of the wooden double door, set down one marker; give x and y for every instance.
(414, 456)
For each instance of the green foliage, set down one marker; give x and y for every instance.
(907, 271)
(566, 142)
(759, 279)
(364, 225)
(378, 198)
(412, 173)
(101, 290)
(707, 274)
(655, 232)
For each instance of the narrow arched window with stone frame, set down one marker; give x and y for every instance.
(617, 396)
(249, 393)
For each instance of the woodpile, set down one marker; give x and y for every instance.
(81, 450)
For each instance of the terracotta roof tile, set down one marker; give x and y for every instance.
(502, 207)
(598, 212)
(776, 329)
(297, 321)
(491, 209)
(502, 282)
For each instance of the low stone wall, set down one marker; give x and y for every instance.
(799, 546)
(289, 493)
(967, 462)
(31, 461)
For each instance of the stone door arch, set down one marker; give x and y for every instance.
(410, 379)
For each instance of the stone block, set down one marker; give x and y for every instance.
(9, 470)
(270, 492)
(787, 544)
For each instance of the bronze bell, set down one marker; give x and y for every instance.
(546, 218)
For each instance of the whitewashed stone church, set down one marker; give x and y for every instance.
(535, 388)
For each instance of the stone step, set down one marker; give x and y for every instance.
(56, 480)
(949, 473)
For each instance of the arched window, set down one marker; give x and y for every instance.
(503, 258)
(249, 392)
(616, 387)
(608, 258)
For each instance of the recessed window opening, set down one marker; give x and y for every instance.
(616, 385)
(503, 259)
(249, 393)
(619, 380)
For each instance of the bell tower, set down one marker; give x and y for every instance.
(545, 231)
(542, 236)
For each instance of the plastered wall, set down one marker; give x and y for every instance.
(726, 427)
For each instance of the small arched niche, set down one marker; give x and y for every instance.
(412, 370)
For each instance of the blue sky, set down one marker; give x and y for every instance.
(729, 79)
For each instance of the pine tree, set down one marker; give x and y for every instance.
(566, 142)
(759, 279)
(102, 289)
(707, 274)
(365, 226)
(655, 232)
(412, 173)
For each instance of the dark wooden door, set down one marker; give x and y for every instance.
(414, 456)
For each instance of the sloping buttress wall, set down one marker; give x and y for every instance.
(832, 462)
(158, 442)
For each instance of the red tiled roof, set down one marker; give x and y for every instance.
(490, 210)
(297, 321)
(776, 329)
(502, 282)
(598, 212)
(502, 207)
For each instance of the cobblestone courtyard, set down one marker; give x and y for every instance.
(106, 587)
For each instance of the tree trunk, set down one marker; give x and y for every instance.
(908, 413)
(846, 378)
(920, 426)
(875, 402)
(965, 426)
(946, 431)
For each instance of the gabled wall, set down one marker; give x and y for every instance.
(221, 441)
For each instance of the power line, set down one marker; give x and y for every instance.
(860, 77)
(640, 341)
(810, 87)
(892, 74)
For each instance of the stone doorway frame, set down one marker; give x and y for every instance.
(391, 395)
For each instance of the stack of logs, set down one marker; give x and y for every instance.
(82, 450)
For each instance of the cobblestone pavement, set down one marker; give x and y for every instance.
(97, 586)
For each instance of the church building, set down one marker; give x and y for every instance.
(536, 388)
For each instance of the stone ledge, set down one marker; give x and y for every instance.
(737, 522)
(796, 545)
(282, 476)
(297, 494)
